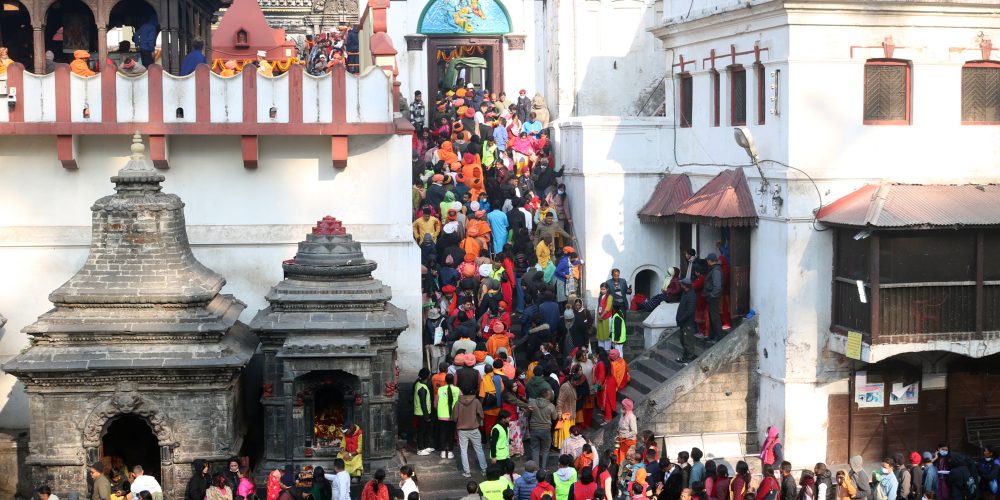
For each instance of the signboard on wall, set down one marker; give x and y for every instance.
(904, 394)
(870, 395)
(853, 345)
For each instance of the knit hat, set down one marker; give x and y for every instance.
(81, 54)
(448, 289)
(437, 178)
(460, 92)
(530, 466)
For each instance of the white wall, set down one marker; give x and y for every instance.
(242, 223)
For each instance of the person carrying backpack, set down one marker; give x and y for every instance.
(903, 478)
(962, 482)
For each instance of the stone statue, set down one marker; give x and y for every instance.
(540, 109)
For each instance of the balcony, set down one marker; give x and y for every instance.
(915, 303)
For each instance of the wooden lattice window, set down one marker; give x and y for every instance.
(887, 92)
(715, 98)
(737, 95)
(981, 93)
(759, 73)
(686, 99)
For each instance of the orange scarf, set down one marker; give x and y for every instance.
(619, 370)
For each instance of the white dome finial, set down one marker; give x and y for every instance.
(138, 148)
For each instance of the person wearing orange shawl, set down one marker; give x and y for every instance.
(498, 339)
(451, 297)
(472, 175)
(274, 485)
(471, 244)
(626, 430)
(585, 460)
(478, 221)
(79, 64)
(491, 393)
(229, 69)
(610, 375)
(447, 155)
(5, 61)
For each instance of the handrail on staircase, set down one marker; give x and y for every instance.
(662, 438)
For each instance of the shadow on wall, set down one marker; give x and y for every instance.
(625, 69)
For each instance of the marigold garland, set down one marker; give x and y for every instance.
(461, 51)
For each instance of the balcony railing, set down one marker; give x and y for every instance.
(917, 312)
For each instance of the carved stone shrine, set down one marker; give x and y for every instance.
(328, 338)
(141, 360)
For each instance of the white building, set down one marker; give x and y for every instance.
(851, 93)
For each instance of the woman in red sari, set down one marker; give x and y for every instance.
(611, 373)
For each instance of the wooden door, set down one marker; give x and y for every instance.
(877, 431)
(739, 272)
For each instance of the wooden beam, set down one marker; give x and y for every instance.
(338, 151)
(249, 143)
(66, 151)
(873, 280)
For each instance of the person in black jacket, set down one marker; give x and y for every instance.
(789, 488)
(713, 294)
(199, 482)
(685, 320)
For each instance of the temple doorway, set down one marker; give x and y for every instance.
(464, 43)
(459, 61)
(70, 26)
(15, 33)
(647, 282)
(128, 439)
(329, 398)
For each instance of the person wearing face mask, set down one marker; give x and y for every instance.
(941, 463)
(888, 485)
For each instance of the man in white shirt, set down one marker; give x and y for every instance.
(141, 482)
(341, 481)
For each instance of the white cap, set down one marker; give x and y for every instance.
(261, 53)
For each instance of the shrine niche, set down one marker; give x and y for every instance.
(329, 346)
(305, 17)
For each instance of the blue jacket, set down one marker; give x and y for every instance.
(191, 61)
(551, 314)
(498, 226)
(562, 268)
(145, 36)
(524, 485)
(500, 136)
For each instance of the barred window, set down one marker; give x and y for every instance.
(686, 99)
(981, 93)
(715, 98)
(887, 92)
(737, 96)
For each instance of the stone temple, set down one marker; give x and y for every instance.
(141, 358)
(328, 338)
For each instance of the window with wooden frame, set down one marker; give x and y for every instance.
(887, 92)
(981, 93)
(686, 99)
(737, 95)
(759, 75)
(715, 97)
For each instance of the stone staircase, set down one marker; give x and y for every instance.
(655, 366)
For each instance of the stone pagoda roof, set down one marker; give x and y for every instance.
(329, 288)
(141, 298)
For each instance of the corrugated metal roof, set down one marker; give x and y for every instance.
(672, 191)
(916, 206)
(725, 202)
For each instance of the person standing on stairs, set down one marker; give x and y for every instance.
(685, 321)
(713, 294)
(618, 329)
(627, 430)
(604, 312)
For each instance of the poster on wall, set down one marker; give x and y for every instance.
(904, 394)
(870, 395)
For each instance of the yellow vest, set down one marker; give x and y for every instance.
(444, 411)
(503, 447)
(417, 410)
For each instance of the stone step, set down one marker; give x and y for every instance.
(630, 392)
(666, 358)
(655, 369)
(642, 382)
